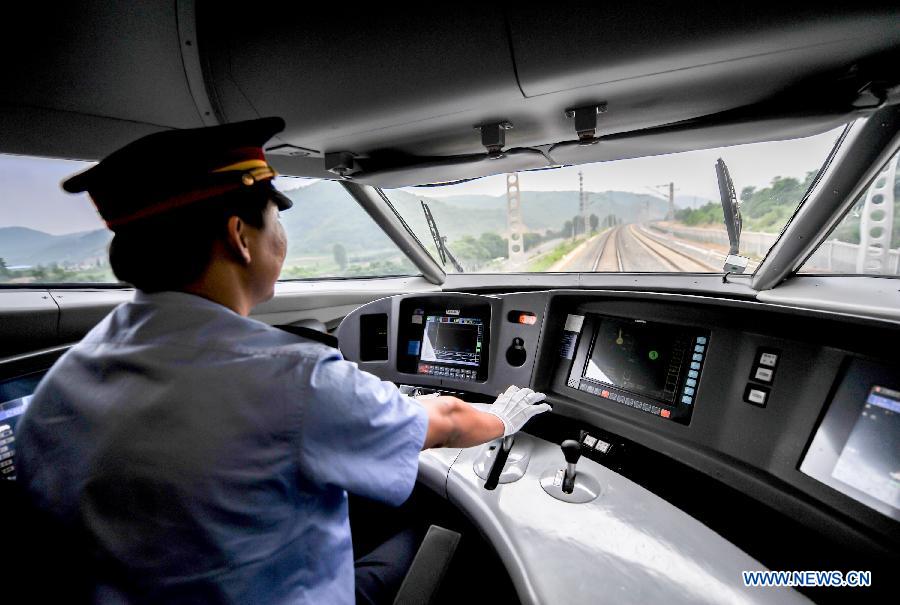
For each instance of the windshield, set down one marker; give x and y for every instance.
(654, 214)
(49, 236)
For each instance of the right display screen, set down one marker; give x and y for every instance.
(856, 448)
(870, 460)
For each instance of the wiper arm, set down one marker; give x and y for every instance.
(731, 211)
(440, 241)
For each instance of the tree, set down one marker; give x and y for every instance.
(532, 240)
(4, 270)
(595, 222)
(567, 229)
(494, 245)
(579, 224)
(340, 256)
(747, 193)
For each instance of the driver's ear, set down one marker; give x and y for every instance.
(237, 239)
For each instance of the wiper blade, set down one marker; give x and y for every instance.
(440, 242)
(731, 211)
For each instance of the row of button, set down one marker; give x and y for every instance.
(6, 449)
(459, 373)
(592, 443)
(688, 392)
(764, 372)
(630, 402)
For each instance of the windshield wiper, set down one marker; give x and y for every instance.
(440, 241)
(731, 211)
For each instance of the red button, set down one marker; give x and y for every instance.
(605, 394)
(665, 413)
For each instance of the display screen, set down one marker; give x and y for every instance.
(15, 395)
(870, 460)
(455, 341)
(639, 357)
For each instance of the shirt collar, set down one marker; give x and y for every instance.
(178, 299)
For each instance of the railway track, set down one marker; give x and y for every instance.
(609, 258)
(672, 257)
(657, 256)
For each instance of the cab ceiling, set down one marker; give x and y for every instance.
(402, 89)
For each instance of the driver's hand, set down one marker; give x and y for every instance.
(515, 407)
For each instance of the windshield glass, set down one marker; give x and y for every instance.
(653, 214)
(49, 236)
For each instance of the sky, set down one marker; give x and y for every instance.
(30, 195)
(692, 172)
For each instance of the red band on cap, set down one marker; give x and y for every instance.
(240, 154)
(173, 203)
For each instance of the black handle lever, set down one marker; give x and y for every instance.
(571, 452)
(499, 462)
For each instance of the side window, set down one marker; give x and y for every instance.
(48, 236)
(867, 240)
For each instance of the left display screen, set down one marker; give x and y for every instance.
(451, 346)
(446, 337)
(15, 396)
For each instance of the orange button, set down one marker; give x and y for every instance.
(665, 413)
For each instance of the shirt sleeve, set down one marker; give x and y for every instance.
(360, 433)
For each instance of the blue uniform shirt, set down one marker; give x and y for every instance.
(211, 454)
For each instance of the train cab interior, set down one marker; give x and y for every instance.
(679, 222)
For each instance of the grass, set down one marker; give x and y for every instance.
(550, 258)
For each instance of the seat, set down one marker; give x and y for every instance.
(430, 565)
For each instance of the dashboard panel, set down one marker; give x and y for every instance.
(737, 390)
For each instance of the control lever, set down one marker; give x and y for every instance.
(499, 462)
(572, 452)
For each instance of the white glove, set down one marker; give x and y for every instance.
(515, 407)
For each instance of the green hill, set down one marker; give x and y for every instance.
(22, 246)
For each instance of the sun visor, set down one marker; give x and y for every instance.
(453, 168)
(698, 134)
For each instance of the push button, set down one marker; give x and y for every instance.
(756, 395)
(602, 446)
(763, 374)
(768, 359)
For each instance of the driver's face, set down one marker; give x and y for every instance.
(268, 251)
